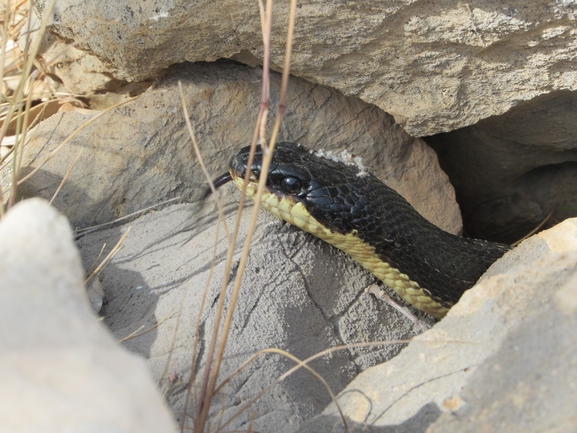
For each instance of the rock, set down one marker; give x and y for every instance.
(141, 154)
(511, 171)
(501, 360)
(529, 383)
(435, 66)
(95, 294)
(80, 72)
(60, 369)
(299, 294)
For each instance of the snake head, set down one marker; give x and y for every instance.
(287, 175)
(322, 187)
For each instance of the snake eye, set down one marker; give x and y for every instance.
(291, 185)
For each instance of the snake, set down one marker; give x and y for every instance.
(353, 210)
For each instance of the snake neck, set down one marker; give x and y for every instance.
(362, 216)
(443, 264)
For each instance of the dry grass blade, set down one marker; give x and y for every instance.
(85, 231)
(109, 257)
(90, 268)
(298, 365)
(136, 333)
(21, 99)
(199, 157)
(266, 26)
(73, 134)
(535, 230)
(198, 319)
(379, 293)
(209, 383)
(304, 363)
(66, 176)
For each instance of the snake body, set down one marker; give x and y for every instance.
(357, 213)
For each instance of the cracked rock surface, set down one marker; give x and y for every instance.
(60, 369)
(298, 294)
(141, 154)
(503, 359)
(434, 65)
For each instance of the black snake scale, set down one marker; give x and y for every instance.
(359, 214)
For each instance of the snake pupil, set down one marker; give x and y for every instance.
(291, 185)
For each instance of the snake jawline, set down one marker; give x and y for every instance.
(296, 214)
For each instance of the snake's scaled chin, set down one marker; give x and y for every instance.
(251, 188)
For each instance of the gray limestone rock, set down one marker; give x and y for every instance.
(60, 369)
(434, 65)
(511, 171)
(503, 359)
(141, 154)
(529, 384)
(298, 294)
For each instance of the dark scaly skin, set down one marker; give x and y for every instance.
(442, 263)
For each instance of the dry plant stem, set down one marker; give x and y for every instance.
(96, 259)
(66, 176)
(308, 360)
(208, 388)
(5, 37)
(135, 334)
(266, 26)
(199, 157)
(109, 257)
(198, 317)
(20, 139)
(71, 136)
(206, 398)
(379, 293)
(30, 55)
(173, 343)
(85, 231)
(535, 230)
(36, 120)
(281, 378)
(206, 391)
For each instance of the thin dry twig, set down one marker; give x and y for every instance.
(300, 364)
(535, 230)
(109, 257)
(211, 373)
(19, 96)
(135, 334)
(66, 176)
(379, 293)
(312, 358)
(96, 259)
(73, 134)
(198, 319)
(85, 231)
(200, 159)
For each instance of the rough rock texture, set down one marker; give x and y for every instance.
(298, 294)
(60, 369)
(503, 359)
(511, 171)
(434, 65)
(80, 72)
(532, 377)
(141, 154)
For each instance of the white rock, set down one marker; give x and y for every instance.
(60, 369)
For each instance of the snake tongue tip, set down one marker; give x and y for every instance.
(218, 182)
